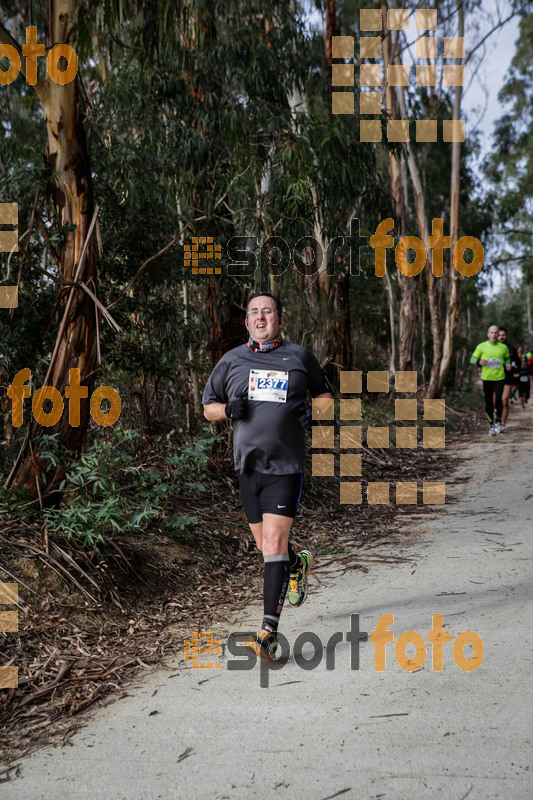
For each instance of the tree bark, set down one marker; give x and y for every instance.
(326, 290)
(332, 28)
(407, 313)
(454, 298)
(343, 339)
(227, 329)
(71, 190)
(390, 298)
(420, 208)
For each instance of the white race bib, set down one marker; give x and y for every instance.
(524, 378)
(267, 385)
(493, 363)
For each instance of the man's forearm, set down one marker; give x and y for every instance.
(214, 412)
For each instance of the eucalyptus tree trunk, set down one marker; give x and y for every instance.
(407, 311)
(454, 278)
(330, 295)
(71, 190)
(227, 328)
(432, 288)
(392, 324)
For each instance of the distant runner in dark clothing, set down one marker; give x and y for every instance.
(524, 387)
(510, 380)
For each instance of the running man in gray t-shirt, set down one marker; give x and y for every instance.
(262, 386)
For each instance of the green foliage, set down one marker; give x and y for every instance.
(507, 309)
(187, 106)
(510, 165)
(109, 488)
(210, 119)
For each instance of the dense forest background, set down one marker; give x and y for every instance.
(190, 118)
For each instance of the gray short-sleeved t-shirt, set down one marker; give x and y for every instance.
(270, 438)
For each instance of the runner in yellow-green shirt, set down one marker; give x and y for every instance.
(493, 358)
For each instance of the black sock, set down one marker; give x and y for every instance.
(275, 584)
(294, 560)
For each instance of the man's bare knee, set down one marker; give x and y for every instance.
(275, 534)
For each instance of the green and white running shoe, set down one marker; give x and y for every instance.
(264, 644)
(298, 584)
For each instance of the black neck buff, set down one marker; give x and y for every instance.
(262, 346)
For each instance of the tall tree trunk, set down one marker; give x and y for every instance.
(327, 291)
(432, 287)
(190, 355)
(422, 316)
(390, 298)
(407, 314)
(454, 299)
(71, 190)
(227, 329)
(331, 28)
(321, 287)
(343, 339)
(420, 208)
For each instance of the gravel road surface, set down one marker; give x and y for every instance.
(344, 732)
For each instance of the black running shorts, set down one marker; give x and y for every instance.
(524, 389)
(269, 494)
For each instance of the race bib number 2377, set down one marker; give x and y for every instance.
(268, 386)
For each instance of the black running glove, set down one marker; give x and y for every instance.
(305, 418)
(236, 408)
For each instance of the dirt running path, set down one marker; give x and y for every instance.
(358, 734)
